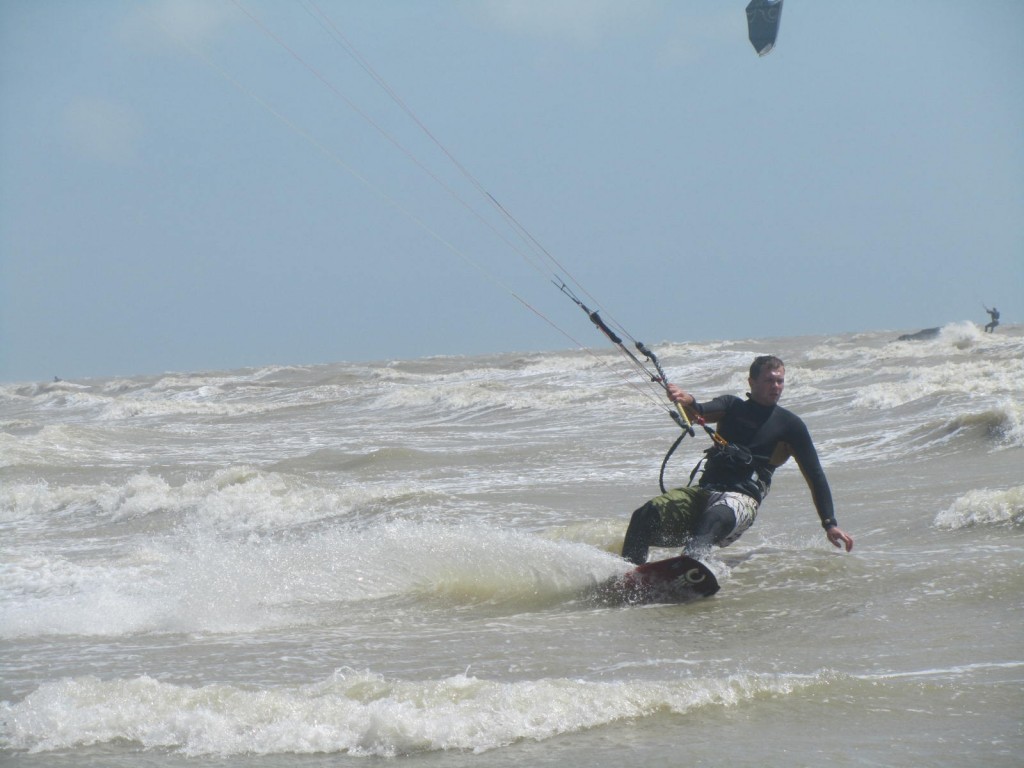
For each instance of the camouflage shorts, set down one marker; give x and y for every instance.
(680, 510)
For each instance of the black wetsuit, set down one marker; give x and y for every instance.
(771, 434)
(760, 439)
(994, 314)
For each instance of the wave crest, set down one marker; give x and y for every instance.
(984, 507)
(359, 714)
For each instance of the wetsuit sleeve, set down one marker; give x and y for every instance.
(713, 410)
(810, 466)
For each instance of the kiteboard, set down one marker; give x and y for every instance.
(675, 580)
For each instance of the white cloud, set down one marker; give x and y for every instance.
(689, 35)
(583, 22)
(172, 23)
(103, 130)
(676, 33)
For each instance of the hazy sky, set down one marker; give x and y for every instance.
(185, 187)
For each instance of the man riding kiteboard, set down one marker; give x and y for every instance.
(753, 438)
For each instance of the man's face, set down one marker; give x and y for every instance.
(766, 389)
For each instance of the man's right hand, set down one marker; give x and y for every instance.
(679, 395)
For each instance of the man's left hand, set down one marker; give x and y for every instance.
(839, 538)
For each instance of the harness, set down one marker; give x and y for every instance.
(739, 461)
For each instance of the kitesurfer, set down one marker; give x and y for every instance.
(994, 314)
(756, 436)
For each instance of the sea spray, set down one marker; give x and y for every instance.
(357, 713)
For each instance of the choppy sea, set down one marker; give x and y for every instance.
(343, 564)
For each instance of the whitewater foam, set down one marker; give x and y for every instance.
(356, 713)
(1003, 507)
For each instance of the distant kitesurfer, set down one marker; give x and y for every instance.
(994, 314)
(758, 436)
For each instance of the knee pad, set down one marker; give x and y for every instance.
(715, 524)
